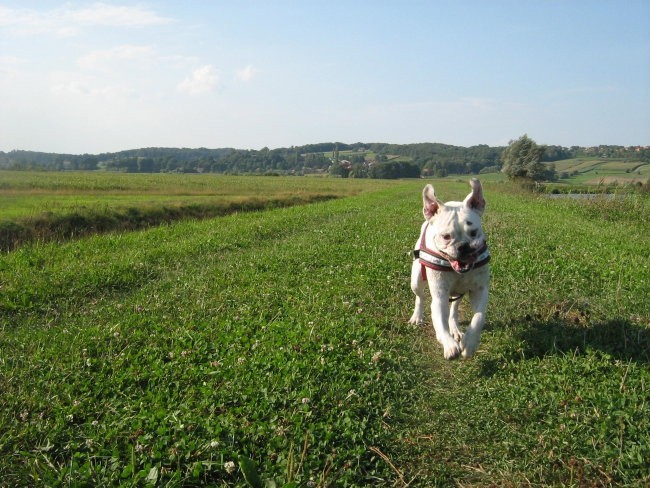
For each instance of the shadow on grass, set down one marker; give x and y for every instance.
(619, 338)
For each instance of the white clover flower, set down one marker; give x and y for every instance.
(305, 400)
(376, 356)
(230, 467)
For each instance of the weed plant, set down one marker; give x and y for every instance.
(274, 344)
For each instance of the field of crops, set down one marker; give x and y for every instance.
(271, 347)
(593, 171)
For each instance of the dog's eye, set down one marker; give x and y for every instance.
(446, 237)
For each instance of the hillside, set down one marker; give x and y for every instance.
(595, 171)
(592, 165)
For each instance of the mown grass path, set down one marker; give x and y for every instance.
(161, 356)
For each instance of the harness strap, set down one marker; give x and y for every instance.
(430, 258)
(416, 254)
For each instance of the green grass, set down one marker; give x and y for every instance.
(161, 356)
(558, 393)
(597, 171)
(57, 206)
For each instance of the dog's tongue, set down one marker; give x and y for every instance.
(457, 265)
(461, 267)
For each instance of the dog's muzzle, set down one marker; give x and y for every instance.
(440, 261)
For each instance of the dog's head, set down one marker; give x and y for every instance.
(456, 226)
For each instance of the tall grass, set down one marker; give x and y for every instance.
(58, 206)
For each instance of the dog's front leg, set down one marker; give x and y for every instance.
(453, 321)
(417, 285)
(440, 319)
(479, 300)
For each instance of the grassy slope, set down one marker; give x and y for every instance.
(281, 336)
(594, 171)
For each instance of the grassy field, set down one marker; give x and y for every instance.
(274, 345)
(594, 171)
(54, 205)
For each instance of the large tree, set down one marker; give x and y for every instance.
(523, 159)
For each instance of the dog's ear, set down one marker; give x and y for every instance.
(431, 205)
(475, 199)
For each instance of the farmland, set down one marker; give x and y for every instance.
(182, 354)
(595, 171)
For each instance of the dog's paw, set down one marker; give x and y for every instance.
(469, 344)
(456, 334)
(451, 348)
(416, 319)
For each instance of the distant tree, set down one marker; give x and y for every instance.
(145, 165)
(358, 170)
(337, 169)
(522, 159)
(394, 169)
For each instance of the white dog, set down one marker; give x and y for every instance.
(452, 255)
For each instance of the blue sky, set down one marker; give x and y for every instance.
(90, 77)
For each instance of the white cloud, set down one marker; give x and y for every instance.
(103, 59)
(67, 21)
(10, 70)
(9, 62)
(247, 73)
(114, 15)
(202, 80)
(78, 85)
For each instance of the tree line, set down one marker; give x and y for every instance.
(360, 160)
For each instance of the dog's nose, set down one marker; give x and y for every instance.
(465, 249)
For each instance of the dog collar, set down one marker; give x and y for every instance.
(434, 259)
